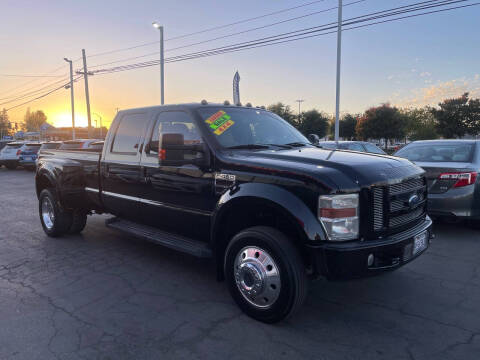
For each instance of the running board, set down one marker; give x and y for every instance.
(172, 241)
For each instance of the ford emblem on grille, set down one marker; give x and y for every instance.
(413, 201)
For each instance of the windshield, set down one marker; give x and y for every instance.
(438, 152)
(32, 147)
(14, 146)
(71, 145)
(50, 146)
(234, 127)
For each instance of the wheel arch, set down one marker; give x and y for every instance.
(251, 204)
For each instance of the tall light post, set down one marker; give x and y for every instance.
(162, 63)
(300, 101)
(101, 129)
(339, 62)
(72, 99)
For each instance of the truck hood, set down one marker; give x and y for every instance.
(332, 169)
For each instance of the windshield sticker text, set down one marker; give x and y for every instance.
(219, 122)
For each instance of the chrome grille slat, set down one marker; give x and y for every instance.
(403, 219)
(397, 205)
(377, 208)
(406, 186)
(396, 196)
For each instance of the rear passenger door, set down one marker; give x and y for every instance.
(121, 180)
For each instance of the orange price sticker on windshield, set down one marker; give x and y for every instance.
(219, 122)
(221, 129)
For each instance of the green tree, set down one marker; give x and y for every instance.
(33, 120)
(451, 117)
(4, 124)
(313, 122)
(285, 112)
(382, 122)
(420, 124)
(347, 127)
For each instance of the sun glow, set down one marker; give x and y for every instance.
(64, 119)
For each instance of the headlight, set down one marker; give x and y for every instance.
(339, 216)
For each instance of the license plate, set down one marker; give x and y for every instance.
(28, 158)
(420, 242)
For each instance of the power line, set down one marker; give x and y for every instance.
(32, 81)
(29, 76)
(287, 37)
(207, 30)
(425, 3)
(42, 96)
(29, 93)
(283, 38)
(228, 35)
(266, 26)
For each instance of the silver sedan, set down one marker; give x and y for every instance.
(452, 168)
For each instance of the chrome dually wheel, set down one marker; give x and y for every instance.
(48, 214)
(257, 276)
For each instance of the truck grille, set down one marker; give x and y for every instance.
(398, 205)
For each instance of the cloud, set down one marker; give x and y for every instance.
(435, 93)
(425, 74)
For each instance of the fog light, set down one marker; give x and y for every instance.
(370, 260)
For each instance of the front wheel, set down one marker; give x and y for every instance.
(265, 274)
(55, 221)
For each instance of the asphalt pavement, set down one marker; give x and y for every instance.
(104, 295)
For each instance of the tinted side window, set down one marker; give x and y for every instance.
(355, 147)
(128, 133)
(373, 149)
(175, 122)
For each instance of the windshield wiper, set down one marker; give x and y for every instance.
(249, 146)
(284, 146)
(296, 144)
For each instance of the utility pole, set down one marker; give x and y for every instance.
(299, 103)
(162, 64)
(339, 62)
(72, 98)
(87, 95)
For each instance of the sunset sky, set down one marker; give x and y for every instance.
(412, 62)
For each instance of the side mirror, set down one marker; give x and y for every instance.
(174, 151)
(314, 139)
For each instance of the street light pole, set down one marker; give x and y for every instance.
(339, 61)
(101, 130)
(71, 96)
(299, 102)
(162, 63)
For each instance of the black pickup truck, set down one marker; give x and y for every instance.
(238, 184)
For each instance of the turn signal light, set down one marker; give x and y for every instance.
(462, 178)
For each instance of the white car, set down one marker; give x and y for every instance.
(10, 154)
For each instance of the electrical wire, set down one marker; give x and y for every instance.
(288, 37)
(207, 30)
(42, 96)
(282, 38)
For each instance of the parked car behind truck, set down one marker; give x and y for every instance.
(452, 168)
(241, 186)
(10, 154)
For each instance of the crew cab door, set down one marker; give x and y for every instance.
(178, 199)
(121, 177)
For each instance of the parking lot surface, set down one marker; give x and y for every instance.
(103, 295)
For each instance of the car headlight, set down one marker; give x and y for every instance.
(339, 216)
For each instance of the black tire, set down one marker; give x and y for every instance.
(79, 221)
(294, 282)
(11, 166)
(62, 220)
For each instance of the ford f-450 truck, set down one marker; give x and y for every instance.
(241, 186)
